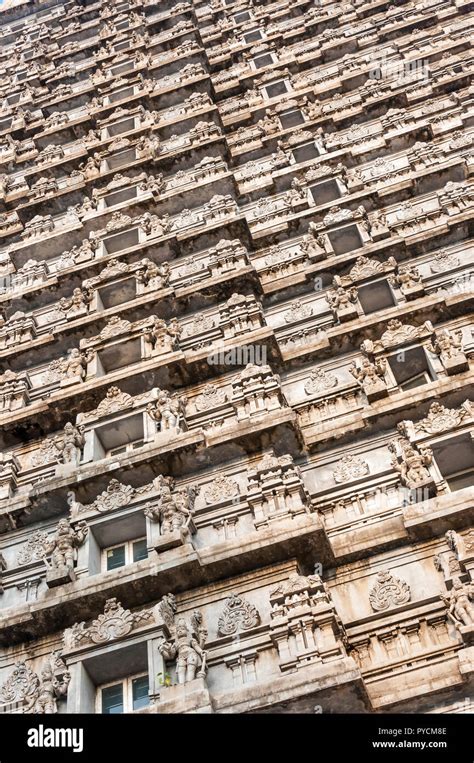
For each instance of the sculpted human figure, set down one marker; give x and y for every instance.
(314, 244)
(70, 444)
(153, 183)
(152, 224)
(168, 412)
(64, 542)
(281, 157)
(296, 194)
(187, 649)
(407, 276)
(80, 300)
(163, 336)
(75, 364)
(91, 167)
(412, 464)
(459, 602)
(153, 275)
(50, 689)
(369, 374)
(173, 508)
(148, 146)
(340, 298)
(269, 123)
(447, 344)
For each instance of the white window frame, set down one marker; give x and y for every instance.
(240, 13)
(403, 388)
(128, 553)
(286, 82)
(262, 55)
(126, 692)
(287, 114)
(460, 473)
(127, 447)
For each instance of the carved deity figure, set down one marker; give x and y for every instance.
(296, 194)
(70, 444)
(77, 303)
(187, 648)
(62, 545)
(152, 275)
(341, 299)
(168, 412)
(148, 147)
(411, 464)
(314, 244)
(459, 602)
(75, 364)
(407, 277)
(153, 183)
(162, 336)
(369, 374)
(173, 510)
(50, 689)
(91, 167)
(447, 344)
(154, 225)
(269, 123)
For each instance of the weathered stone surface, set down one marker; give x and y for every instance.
(236, 345)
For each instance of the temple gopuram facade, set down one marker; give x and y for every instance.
(236, 356)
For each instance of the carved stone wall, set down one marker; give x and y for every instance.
(237, 343)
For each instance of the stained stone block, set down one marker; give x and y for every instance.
(347, 314)
(376, 391)
(171, 540)
(70, 381)
(456, 364)
(413, 292)
(191, 697)
(467, 634)
(59, 576)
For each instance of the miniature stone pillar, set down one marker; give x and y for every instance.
(9, 468)
(256, 390)
(276, 491)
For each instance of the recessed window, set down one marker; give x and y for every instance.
(345, 239)
(306, 152)
(461, 479)
(118, 197)
(455, 460)
(291, 118)
(115, 557)
(253, 36)
(261, 61)
(376, 296)
(126, 125)
(118, 436)
(125, 553)
(122, 45)
(411, 368)
(323, 193)
(276, 88)
(126, 67)
(129, 446)
(239, 17)
(112, 699)
(124, 696)
(118, 292)
(120, 355)
(122, 95)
